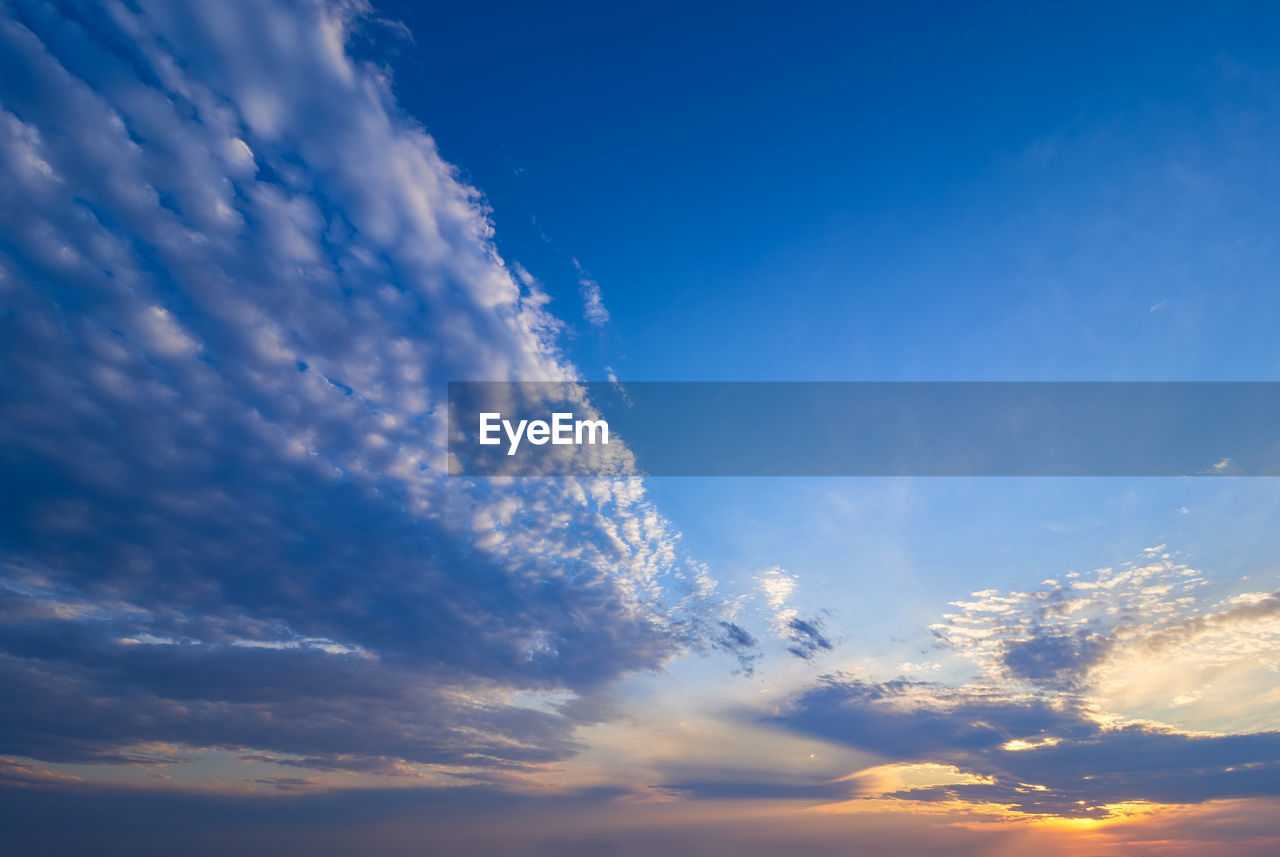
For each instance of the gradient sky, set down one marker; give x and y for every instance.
(244, 245)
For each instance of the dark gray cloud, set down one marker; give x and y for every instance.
(476, 820)
(806, 638)
(1134, 763)
(910, 721)
(1067, 764)
(336, 716)
(1055, 659)
(740, 643)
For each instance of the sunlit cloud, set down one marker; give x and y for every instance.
(1132, 686)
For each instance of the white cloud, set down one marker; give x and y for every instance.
(778, 585)
(593, 309)
(1142, 642)
(273, 274)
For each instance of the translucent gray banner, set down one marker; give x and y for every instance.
(865, 429)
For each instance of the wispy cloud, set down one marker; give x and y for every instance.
(593, 309)
(804, 637)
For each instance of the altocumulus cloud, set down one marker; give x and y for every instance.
(234, 278)
(1082, 698)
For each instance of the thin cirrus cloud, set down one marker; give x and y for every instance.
(235, 279)
(593, 308)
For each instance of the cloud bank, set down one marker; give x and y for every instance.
(234, 279)
(1118, 687)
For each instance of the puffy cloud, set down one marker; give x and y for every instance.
(1126, 685)
(235, 279)
(1047, 657)
(1145, 641)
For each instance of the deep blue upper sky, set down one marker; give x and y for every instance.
(904, 191)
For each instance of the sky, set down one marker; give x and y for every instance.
(245, 246)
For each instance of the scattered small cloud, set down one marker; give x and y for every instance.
(802, 637)
(1092, 692)
(593, 309)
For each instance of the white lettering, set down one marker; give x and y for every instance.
(487, 425)
(591, 426)
(562, 430)
(538, 432)
(514, 435)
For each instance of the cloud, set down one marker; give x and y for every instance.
(593, 309)
(286, 784)
(739, 642)
(735, 789)
(1033, 755)
(1130, 684)
(914, 721)
(1147, 641)
(803, 638)
(476, 820)
(806, 638)
(1053, 658)
(236, 280)
(17, 773)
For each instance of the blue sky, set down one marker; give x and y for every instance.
(245, 245)
(913, 194)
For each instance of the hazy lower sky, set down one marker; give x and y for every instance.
(245, 244)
